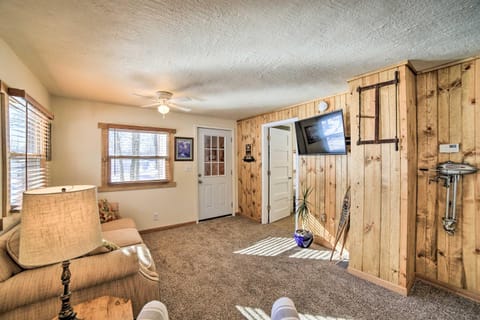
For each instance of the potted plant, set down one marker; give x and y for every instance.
(303, 236)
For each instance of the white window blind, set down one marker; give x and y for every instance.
(28, 149)
(138, 156)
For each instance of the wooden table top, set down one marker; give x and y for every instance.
(104, 308)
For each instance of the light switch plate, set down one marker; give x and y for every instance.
(449, 148)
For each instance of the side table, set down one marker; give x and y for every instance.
(104, 308)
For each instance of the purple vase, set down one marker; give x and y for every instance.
(303, 238)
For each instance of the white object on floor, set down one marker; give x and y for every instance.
(153, 310)
(284, 309)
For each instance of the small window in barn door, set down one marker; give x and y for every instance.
(214, 150)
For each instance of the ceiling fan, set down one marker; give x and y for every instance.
(164, 101)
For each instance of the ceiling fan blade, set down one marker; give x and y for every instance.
(151, 105)
(181, 99)
(149, 96)
(174, 106)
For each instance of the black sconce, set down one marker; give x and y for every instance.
(248, 154)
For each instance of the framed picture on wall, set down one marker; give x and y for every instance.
(183, 149)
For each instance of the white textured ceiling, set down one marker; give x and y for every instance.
(235, 57)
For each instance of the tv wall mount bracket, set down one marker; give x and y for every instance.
(376, 117)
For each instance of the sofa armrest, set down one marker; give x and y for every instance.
(122, 223)
(43, 283)
(147, 265)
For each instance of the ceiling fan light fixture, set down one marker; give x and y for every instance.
(163, 109)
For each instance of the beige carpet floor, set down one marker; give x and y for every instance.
(201, 277)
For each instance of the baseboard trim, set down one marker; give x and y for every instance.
(166, 227)
(444, 286)
(213, 218)
(379, 282)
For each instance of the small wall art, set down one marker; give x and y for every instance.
(183, 149)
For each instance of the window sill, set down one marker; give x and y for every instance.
(140, 186)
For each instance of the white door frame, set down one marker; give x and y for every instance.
(265, 164)
(234, 168)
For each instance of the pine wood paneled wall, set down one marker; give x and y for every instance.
(396, 230)
(449, 112)
(382, 232)
(327, 174)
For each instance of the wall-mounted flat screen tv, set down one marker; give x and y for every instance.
(321, 135)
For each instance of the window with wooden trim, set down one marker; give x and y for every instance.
(136, 157)
(28, 132)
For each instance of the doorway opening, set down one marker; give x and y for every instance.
(279, 176)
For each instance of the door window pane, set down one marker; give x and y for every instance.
(214, 156)
(207, 141)
(221, 169)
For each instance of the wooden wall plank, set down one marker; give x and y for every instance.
(431, 132)
(372, 172)
(404, 192)
(443, 137)
(395, 184)
(423, 176)
(411, 105)
(357, 182)
(477, 176)
(387, 99)
(455, 260)
(468, 197)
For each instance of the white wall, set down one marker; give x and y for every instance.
(16, 74)
(77, 158)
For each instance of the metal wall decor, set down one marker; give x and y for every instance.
(360, 116)
(450, 172)
(248, 154)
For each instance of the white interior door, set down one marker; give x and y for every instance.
(214, 173)
(280, 170)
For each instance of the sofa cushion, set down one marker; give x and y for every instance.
(123, 237)
(108, 211)
(13, 248)
(122, 223)
(8, 266)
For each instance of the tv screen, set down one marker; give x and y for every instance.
(321, 135)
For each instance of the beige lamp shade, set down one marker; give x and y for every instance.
(58, 224)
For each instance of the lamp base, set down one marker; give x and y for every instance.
(66, 313)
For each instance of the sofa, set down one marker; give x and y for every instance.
(127, 272)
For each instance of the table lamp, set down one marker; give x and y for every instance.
(59, 224)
